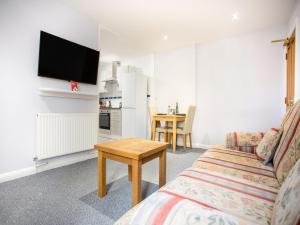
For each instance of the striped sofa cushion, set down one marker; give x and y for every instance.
(237, 164)
(288, 151)
(204, 197)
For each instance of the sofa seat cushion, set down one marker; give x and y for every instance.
(200, 196)
(238, 164)
(165, 209)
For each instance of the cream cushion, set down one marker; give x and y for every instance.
(161, 129)
(188, 123)
(268, 144)
(178, 131)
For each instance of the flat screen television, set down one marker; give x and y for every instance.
(66, 60)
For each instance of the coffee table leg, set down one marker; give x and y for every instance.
(129, 173)
(162, 168)
(102, 175)
(136, 182)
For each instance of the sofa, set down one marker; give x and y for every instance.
(231, 185)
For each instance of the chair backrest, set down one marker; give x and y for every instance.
(188, 123)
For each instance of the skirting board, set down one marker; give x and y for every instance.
(59, 162)
(17, 174)
(48, 165)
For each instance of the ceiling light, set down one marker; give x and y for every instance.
(165, 37)
(236, 16)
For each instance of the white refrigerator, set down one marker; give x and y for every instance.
(133, 86)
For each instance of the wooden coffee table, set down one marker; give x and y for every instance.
(133, 152)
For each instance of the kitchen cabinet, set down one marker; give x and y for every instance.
(116, 122)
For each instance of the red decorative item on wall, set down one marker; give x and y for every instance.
(74, 86)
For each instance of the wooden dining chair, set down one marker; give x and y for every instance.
(187, 127)
(159, 128)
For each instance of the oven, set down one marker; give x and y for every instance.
(104, 119)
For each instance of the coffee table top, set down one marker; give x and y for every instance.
(133, 148)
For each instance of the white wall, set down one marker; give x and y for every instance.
(236, 83)
(174, 79)
(294, 24)
(20, 25)
(240, 85)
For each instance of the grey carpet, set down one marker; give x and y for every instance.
(118, 200)
(67, 195)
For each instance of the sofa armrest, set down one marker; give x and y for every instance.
(243, 141)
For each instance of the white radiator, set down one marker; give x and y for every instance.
(61, 134)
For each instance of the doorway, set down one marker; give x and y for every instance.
(290, 73)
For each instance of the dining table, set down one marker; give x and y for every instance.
(167, 118)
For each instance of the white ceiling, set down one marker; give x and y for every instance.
(142, 24)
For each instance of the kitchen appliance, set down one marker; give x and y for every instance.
(104, 120)
(112, 78)
(134, 103)
(66, 60)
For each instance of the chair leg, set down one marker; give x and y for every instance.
(156, 133)
(190, 137)
(165, 136)
(184, 141)
(169, 138)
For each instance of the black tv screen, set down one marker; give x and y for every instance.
(63, 59)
